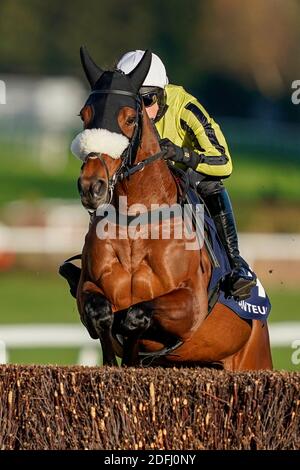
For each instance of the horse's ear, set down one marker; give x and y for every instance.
(92, 71)
(139, 73)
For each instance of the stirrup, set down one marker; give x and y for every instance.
(242, 288)
(238, 287)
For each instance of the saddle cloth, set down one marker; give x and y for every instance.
(257, 306)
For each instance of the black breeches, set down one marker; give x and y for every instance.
(206, 185)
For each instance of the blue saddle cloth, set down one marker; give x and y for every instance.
(257, 306)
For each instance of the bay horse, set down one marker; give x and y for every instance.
(142, 297)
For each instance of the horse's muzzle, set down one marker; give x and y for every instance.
(93, 193)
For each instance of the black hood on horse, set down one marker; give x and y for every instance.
(112, 90)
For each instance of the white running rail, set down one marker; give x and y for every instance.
(75, 336)
(69, 239)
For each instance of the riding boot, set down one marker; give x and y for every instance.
(72, 274)
(240, 281)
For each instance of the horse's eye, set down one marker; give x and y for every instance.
(130, 120)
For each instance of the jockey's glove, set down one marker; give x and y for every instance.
(180, 154)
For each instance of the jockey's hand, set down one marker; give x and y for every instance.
(180, 154)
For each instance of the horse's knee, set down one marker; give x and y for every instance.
(137, 320)
(97, 315)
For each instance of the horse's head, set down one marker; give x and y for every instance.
(111, 118)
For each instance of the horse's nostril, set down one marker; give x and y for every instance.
(96, 187)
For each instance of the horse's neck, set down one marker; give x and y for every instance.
(155, 184)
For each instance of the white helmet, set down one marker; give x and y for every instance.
(157, 75)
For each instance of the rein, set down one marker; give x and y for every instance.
(141, 165)
(124, 171)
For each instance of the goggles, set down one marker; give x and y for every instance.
(149, 99)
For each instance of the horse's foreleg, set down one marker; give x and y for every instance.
(136, 322)
(98, 319)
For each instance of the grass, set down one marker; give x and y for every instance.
(23, 178)
(285, 304)
(32, 297)
(57, 356)
(285, 307)
(282, 359)
(260, 180)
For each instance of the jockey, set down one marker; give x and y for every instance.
(195, 141)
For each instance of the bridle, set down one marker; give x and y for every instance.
(127, 167)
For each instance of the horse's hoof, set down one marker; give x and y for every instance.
(137, 320)
(97, 315)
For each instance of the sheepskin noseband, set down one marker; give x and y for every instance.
(99, 141)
